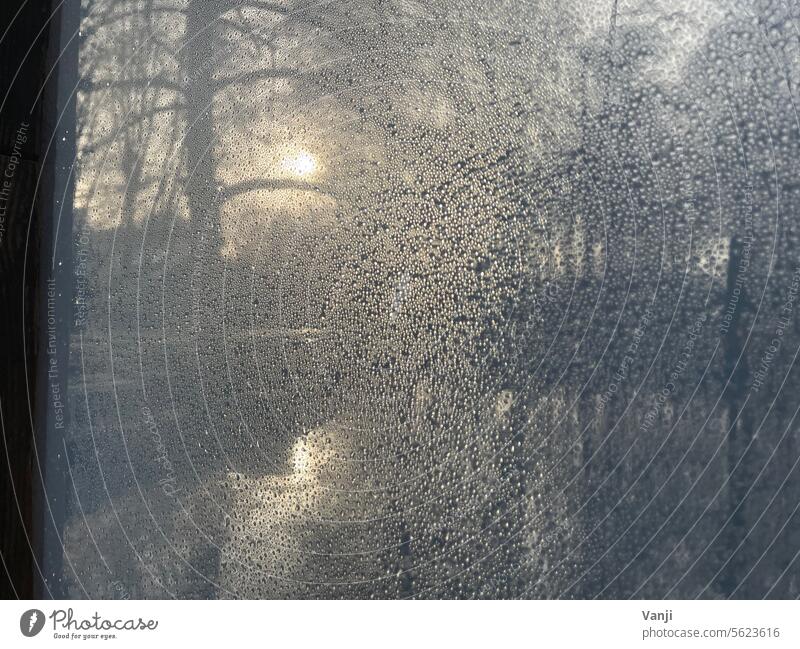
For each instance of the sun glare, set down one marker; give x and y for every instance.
(302, 164)
(301, 458)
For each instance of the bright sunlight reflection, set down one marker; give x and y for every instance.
(301, 458)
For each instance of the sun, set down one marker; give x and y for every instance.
(302, 164)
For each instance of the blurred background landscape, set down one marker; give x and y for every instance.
(398, 299)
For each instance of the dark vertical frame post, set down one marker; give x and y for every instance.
(55, 196)
(23, 46)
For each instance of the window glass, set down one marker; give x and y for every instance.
(434, 299)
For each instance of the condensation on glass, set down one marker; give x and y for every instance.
(404, 299)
